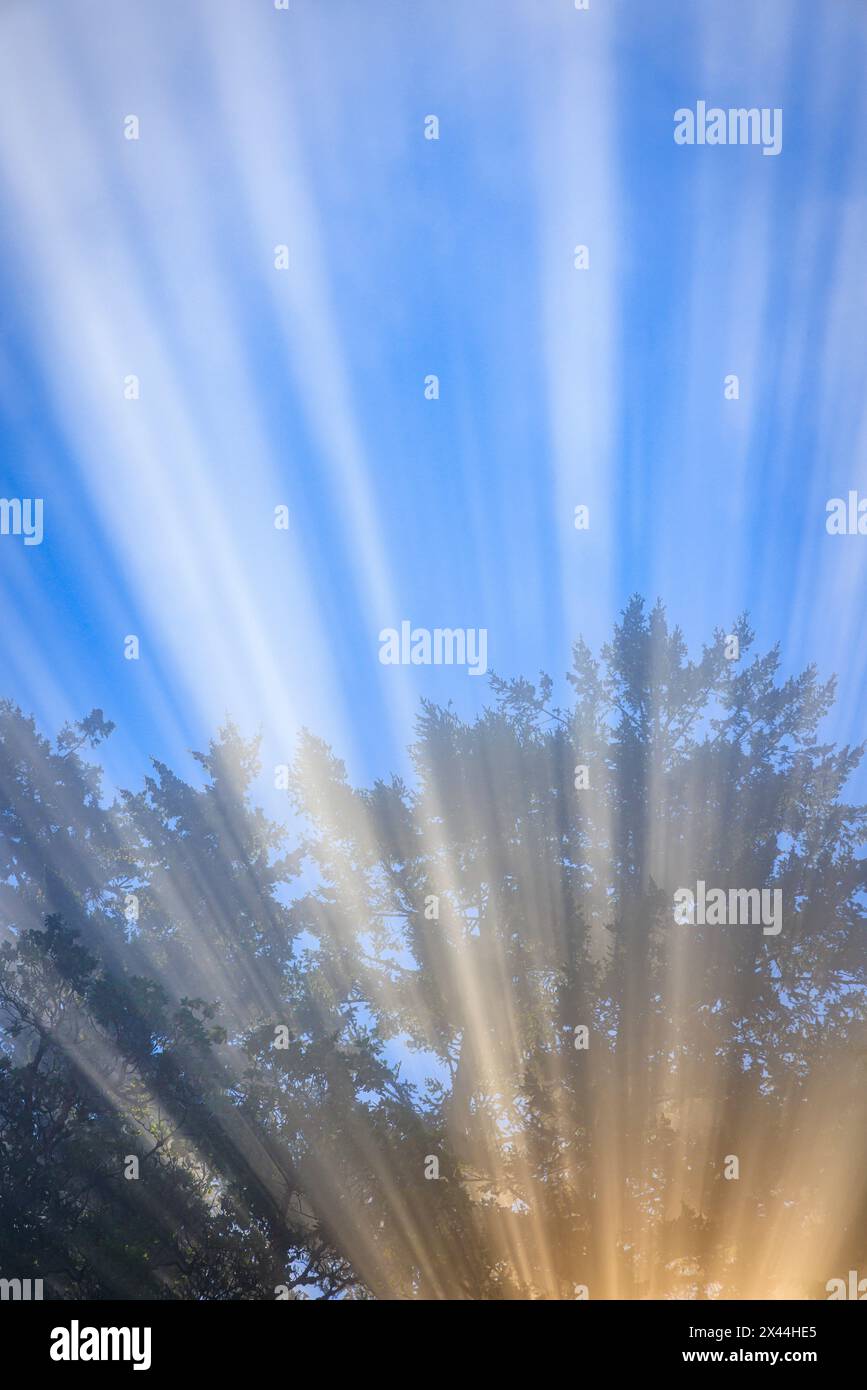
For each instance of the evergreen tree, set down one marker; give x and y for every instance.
(616, 1100)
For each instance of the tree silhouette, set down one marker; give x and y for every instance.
(616, 1102)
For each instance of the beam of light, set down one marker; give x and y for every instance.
(158, 259)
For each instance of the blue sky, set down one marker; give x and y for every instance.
(409, 257)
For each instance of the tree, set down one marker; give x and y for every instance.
(107, 1058)
(616, 1101)
(606, 1167)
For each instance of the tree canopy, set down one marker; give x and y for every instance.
(616, 1102)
